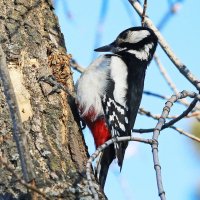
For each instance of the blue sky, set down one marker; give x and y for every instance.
(180, 165)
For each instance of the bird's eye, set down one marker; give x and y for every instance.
(124, 35)
(120, 40)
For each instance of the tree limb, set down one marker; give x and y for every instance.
(156, 134)
(101, 148)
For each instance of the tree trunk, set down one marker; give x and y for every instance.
(34, 47)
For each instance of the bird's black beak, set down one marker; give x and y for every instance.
(105, 48)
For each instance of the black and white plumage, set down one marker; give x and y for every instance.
(117, 120)
(111, 89)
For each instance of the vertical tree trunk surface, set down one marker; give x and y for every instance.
(34, 47)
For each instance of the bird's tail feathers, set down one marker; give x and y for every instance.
(120, 149)
(105, 159)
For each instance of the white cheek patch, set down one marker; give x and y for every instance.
(118, 49)
(137, 36)
(143, 54)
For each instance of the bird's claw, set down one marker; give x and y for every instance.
(83, 124)
(56, 87)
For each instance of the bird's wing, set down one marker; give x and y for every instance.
(117, 121)
(113, 103)
(136, 76)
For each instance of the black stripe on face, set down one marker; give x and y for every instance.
(139, 48)
(120, 42)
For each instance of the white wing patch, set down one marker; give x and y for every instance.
(137, 36)
(117, 123)
(143, 54)
(116, 116)
(119, 74)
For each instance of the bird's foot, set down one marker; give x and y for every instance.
(56, 87)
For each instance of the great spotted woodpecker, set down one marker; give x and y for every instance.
(109, 92)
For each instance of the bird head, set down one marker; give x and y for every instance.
(139, 42)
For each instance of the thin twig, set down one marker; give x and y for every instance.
(173, 9)
(168, 79)
(147, 113)
(153, 142)
(101, 148)
(194, 114)
(156, 134)
(186, 134)
(179, 65)
(18, 130)
(180, 101)
(155, 94)
(144, 12)
(165, 74)
(184, 114)
(21, 181)
(160, 96)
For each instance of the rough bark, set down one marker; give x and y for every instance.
(34, 46)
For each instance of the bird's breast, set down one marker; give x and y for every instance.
(106, 75)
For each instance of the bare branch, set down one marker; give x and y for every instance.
(157, 168)
(157, 130)
(18, 131)
(160, 96)
(147, 113)
(185, 113)
(179, 65)
(155, 95)
(165, 75)
(101, 148)
(186, 134)
(194, 114)
(168, 79)
(153, 142)
(144, 12)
